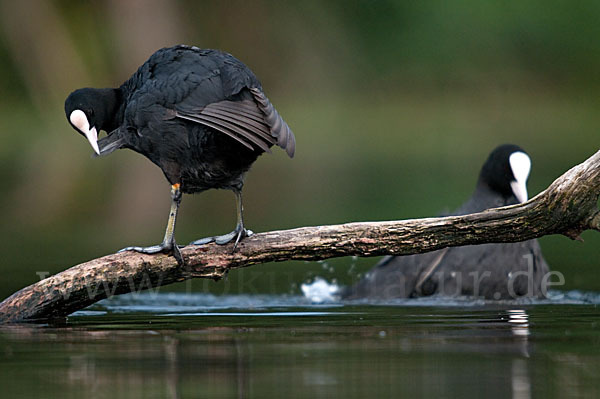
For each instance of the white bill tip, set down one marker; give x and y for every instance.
(92, 136)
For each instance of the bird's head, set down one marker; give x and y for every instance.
(91, 110)
(506, 171)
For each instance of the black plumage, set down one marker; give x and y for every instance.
(200, 115)
(492, 271)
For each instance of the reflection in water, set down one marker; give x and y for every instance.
(519, 325)
(207, 361)
(172, 360)
(241, 371)
(520, 322)
(520, 382)
(368, 351)
(521, 385)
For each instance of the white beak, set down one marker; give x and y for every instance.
(519, 190)
(92, 136)
(80, 121)
(520, 164)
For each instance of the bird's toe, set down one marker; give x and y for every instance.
(136, 249)
(172, 249)
(203, 241)
(226, 238)
(236, 235)
(154, 249)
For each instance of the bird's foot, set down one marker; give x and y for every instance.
(170, 248)
(236, 234)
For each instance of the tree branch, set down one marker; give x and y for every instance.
(568, 206)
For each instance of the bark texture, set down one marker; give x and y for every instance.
(568, 206)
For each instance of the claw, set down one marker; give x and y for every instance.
(242, 234)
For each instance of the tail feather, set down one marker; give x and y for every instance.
(279, 129)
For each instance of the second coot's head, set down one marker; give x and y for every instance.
(506, 171)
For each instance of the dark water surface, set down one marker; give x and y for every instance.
(200, 345)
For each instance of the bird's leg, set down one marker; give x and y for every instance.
(238, 233)
(168, 245)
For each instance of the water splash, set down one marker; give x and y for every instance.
(320, 291)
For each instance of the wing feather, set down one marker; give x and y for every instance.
(252, 120)
(225, 126)
(218, 127)
(246, 107)
(260, 129)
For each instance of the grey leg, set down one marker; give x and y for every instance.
(238, 233)
(168, 244)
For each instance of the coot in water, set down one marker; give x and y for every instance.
(200, 115)
(492, 271)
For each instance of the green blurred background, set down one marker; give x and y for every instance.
(395, 106)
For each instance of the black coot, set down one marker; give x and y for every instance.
(493, 271)
(200, 115)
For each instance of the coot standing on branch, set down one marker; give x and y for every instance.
(492, 271)
(200, 115)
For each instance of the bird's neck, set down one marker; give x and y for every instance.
(491, 197)
(113, 109)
